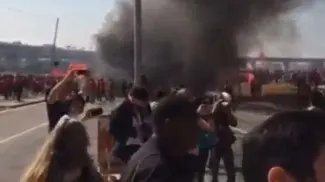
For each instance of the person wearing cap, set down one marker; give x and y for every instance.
(130, 124)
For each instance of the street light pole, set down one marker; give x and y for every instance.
(56, 28)
(137, 40)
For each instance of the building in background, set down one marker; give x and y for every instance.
(20, 57)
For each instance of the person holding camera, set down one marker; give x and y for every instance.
(66, 98)
(223, 118)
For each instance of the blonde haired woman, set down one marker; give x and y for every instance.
(64, 156)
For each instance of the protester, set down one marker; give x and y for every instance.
(287, 147)
(169, 155)
(18, 88)
(63, 157)
(130, 124)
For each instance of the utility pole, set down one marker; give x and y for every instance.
(137, 41)
(53, 52)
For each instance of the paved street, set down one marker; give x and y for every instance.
(25, 101)
(23, 130)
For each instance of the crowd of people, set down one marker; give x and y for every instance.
(171, 139)
(16, 86)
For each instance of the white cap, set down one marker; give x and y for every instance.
(225, 96)
(182, 91)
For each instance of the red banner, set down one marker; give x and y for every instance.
(78, 67)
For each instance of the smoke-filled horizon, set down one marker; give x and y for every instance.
(191, 41)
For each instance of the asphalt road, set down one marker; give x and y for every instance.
(23, 130)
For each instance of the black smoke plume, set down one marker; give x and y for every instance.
(188, 41)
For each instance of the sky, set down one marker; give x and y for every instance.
(32, 22)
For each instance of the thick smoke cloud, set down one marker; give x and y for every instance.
(190, 41)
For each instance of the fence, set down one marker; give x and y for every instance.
(110, 167)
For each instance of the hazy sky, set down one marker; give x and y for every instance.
(32, 22)
(310, 38)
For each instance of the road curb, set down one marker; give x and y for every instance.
(263, 108)
(23, 104)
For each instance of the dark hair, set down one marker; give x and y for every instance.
(160, 94)
(172, 115)
(139, 93)
(291, 140)
(80, 98)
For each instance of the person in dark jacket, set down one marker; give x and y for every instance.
(169, 155)
(131, 124)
